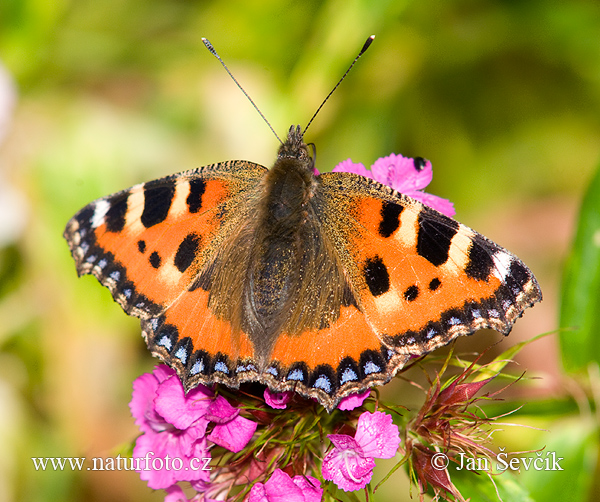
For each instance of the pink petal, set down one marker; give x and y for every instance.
(444, 206)
(377, 435)
(348, 166)
(220, 411)
(162, 372)
(142, 404)
(407, 175)
(344, 442)
(279, 488)
(347, 469)
(311, 488)
(149, 454)
(277, 400)
(154, 456)
(233, 435)
(402, 173)
(180, 409)
(353, 401)
(175, 494)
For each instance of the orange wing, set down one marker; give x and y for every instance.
(149, 243)
(422, 278)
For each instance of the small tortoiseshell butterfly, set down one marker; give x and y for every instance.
(322, 284)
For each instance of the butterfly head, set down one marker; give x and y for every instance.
(294, 147)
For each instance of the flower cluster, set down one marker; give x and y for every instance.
(180, 433)
(175, 430)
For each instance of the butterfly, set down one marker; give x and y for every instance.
(321, 284)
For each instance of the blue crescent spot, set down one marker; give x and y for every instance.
(198, 367)
(272, 370)
(181, 354)
(349, 375)
(295, 375)
(371, 367)
(323, 383)
(222, 367)
(165, 342)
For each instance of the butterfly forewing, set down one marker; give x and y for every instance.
(422, 278)
(148, 244)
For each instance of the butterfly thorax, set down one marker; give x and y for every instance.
(285, 224)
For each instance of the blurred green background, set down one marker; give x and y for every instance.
(502, 96)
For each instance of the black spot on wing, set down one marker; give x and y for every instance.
(376, 276)
(324, 378)
(194, 199)
(481, 263)
(183, 350)
(155, 259)
(141, 246)
(186, 252)
(517, 277)
(115, 216)
(85, 216)
(434, 284)
(166, 336)
(371, 361)
(390, 218)
(158, 196)
(411, 293)
(434, 239)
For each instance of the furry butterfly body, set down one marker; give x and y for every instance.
(325, 285)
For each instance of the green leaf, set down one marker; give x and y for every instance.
(576, 442)
(481, 488)
(580, 305)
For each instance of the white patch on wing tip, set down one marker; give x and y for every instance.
(101, 207)
(502, 261)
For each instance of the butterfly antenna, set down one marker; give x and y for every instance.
(362, 51)
(212, 50)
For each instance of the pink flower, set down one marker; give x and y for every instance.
(174, 445)
(282, 488)
(406, 175)
(277, 400)
(173, 425)
(350, 464)
(353, 400)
